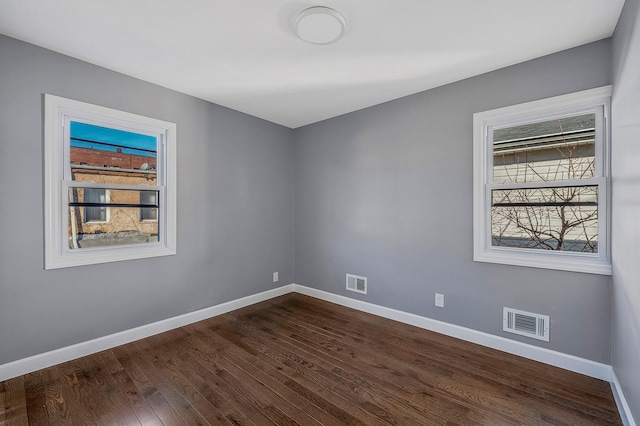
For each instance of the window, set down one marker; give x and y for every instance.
(95, 214)
(540, 183)
(149, 198)
(110, 181)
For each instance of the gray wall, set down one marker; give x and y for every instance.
(386, 192)
(625, 348)
(235, 210)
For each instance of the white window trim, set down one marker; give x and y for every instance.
(58, 110)
(483, 251)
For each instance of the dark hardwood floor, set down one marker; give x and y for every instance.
(299, 360)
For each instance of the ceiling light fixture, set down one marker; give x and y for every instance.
(319, 25)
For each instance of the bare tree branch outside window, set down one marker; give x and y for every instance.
(543, 216)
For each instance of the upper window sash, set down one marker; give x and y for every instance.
(160, 134)
(521, 118)
(591, 101)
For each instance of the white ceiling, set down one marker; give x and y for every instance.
(244, 55)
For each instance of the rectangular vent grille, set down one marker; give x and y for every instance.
(526, 324)
(357, 283)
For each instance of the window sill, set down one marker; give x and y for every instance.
(97, 255)
(572, 262)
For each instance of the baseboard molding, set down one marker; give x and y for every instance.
(621, 402)
(47, 359)
(558, 359)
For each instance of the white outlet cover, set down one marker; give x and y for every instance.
(439, 300)
(275, 277)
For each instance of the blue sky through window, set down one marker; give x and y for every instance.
(105, 139)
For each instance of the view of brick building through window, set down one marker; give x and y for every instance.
(107, 214)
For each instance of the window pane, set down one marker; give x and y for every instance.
(122, 222)
(95, 214)
(545, 151)
(149, 197)
(563, 218)
(105, 155)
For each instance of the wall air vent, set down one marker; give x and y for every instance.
(526, 324)
(357, 283)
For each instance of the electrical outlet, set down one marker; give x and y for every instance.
(439, 300)
(275, 277)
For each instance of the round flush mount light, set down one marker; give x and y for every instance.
(319, 25)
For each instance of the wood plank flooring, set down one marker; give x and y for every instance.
(299, 360)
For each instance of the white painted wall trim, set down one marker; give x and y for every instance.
(47, 359)
(558, 359)
(621, 402)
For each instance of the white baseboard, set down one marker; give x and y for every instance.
(621, 402)
(558, 359)
(47, 359)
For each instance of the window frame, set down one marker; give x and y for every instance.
(545, 109)
(58, 113)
